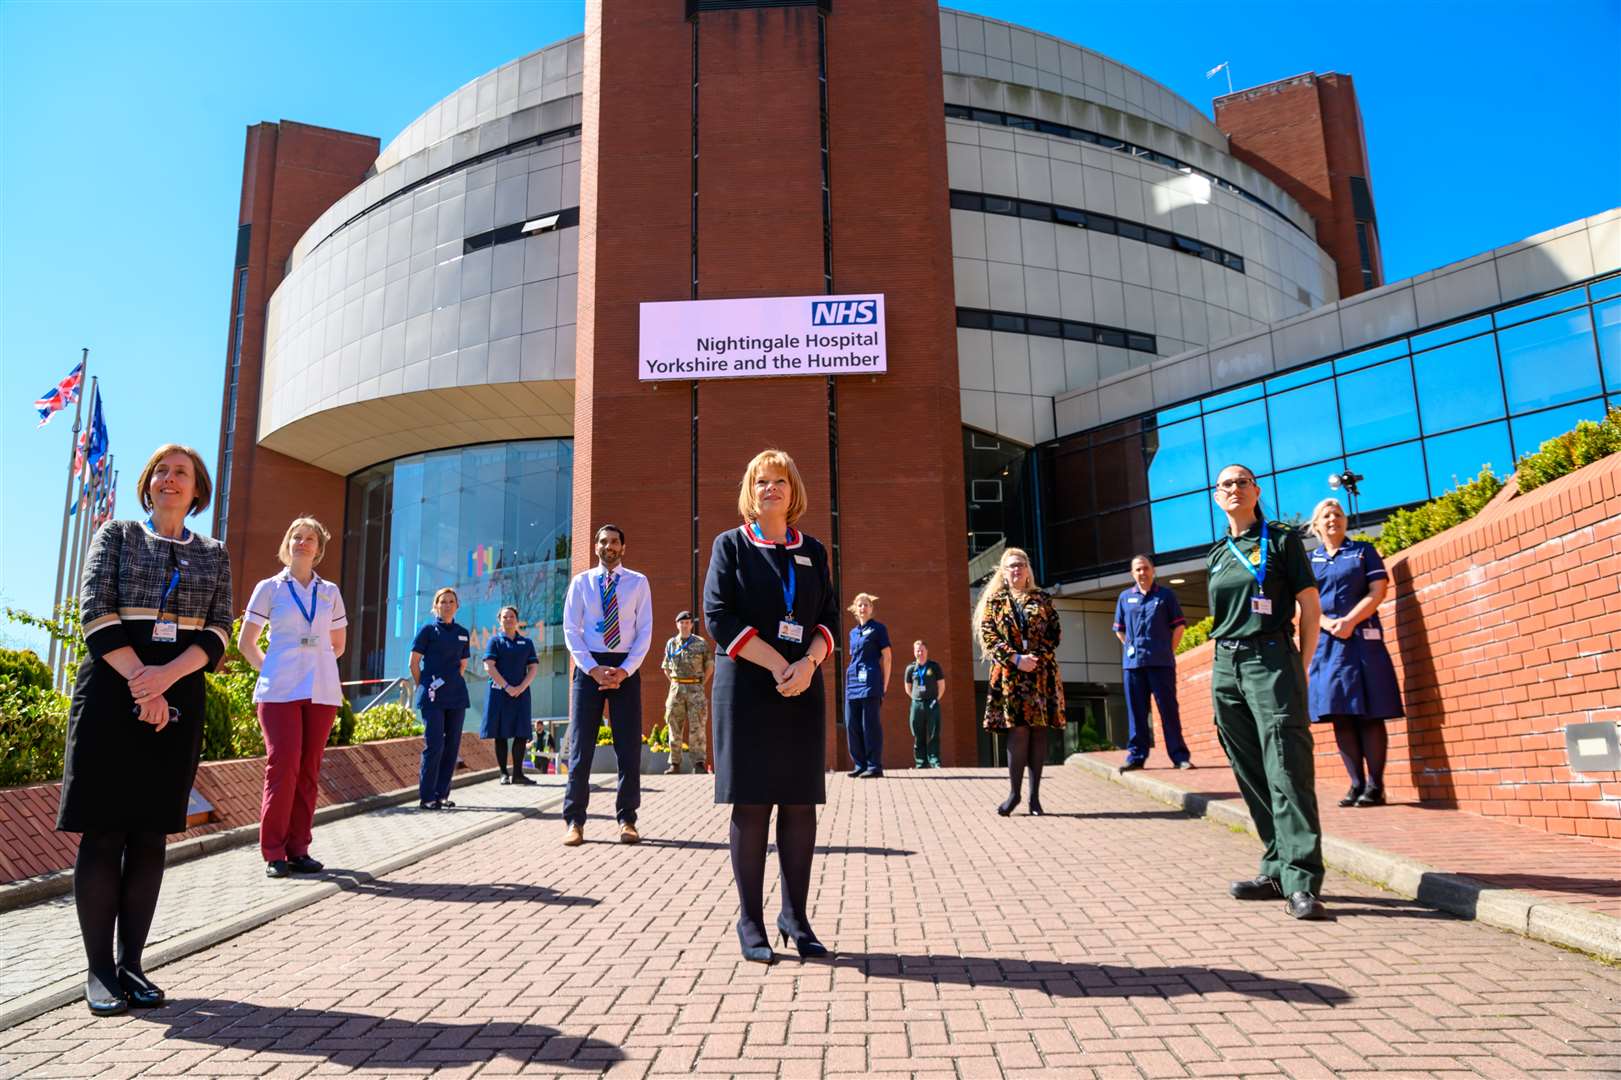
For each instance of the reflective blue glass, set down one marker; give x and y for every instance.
(1548, 362)
(1300, 377)
(1183, 522)
(1232, 397)
(1376, 406)
(1300, 489)
(1459, 384)
(1305, 425)
(1177, 465)
(1456, 332)
(1603, 290)
(1368, 357)
(1607, 324)
(1533, 309)
(1393, 476)
(1181, 412)
(1531, 431)
(1237, 435)
(1457, 458)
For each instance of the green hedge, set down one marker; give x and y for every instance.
(1195, 635)
(1405, 528)
(391, 721)
(1585, 444)
(33, 731)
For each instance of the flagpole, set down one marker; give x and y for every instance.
(67, 501)
(74, 570)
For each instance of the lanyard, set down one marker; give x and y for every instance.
(685, 645)
(174, 572)
(789, 586)
(1256, 569)
(309, 615)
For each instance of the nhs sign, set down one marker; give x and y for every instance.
(843, 312)
(762, 336)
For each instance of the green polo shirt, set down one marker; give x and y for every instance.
(1288, 573)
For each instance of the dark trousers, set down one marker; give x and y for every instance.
(625, 720)
(1160, 683)
(925, 721)
(441, 748)
(865, 732)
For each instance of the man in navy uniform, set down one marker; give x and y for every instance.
(1149, 623)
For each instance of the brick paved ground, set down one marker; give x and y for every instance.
(1097, 941)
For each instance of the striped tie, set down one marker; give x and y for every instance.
(610, 612)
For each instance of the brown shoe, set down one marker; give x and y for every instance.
(575, 837)
(672, 770)
(628, 834)
(700, 768)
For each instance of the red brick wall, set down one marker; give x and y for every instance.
(30, 844)
(1504, 630)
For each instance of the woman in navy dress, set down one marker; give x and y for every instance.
(866, 680)
(511, 663)
(769, 604)
(1353, 683)
(438, 658)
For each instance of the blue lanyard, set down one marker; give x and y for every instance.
(174, 574)
(788, 587)
(1257, 570)
(309, 615)
(685, 645)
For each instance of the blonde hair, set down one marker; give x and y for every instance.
(860, 596)
(202, 485)
(996, 585)
(443, 591)
(748, 507)
(285, 552)
(1317, 512)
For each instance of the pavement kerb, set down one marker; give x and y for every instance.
(66, 991)
(16, 894)
(1521, 912)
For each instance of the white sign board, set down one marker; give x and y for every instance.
(771, 335)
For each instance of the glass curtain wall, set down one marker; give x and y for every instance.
(1415, 416)
(492, 522)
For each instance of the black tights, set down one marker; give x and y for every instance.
(796, 847)
(116, 879)
(1362, 741)
(1025, 746)
(518, 746)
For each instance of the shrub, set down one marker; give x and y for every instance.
(1585, 444)
(1196, 634)
(27, 669)
(1090, 738)
(33, 732)
(343, 732)
(390, 721)
(605, 735)
(658, 740)
(1405, 528)
(217, 741)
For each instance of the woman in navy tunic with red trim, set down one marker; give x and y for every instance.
(1353, 683)
(769, 603)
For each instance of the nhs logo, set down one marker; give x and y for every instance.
(843, 312)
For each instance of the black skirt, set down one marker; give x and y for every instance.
(768, 749)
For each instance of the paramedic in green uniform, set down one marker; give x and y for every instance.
(1258, 574)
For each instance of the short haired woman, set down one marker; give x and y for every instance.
(866, 680)
(512, 664)
(297, 694)
(1353, 683)
(155, 600)
(1018, 631)
(438, 661)
(769, 603)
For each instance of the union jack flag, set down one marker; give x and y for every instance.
(61, 395)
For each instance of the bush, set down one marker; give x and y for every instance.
(217, 741)
(657, 740)
(1405, 528)
(1195, 635)
(27, 669)
(343, 732)
(605, 736)
(1566, 453)
(33, 732)
(390, 721)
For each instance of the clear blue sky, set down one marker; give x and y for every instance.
(121, 137)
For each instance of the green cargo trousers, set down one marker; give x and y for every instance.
(1259, 692)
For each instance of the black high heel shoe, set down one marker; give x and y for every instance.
(103, 1000)
(1352, 796)
(805, 944)
(1008, 804)
(759, 954)
(143, 992)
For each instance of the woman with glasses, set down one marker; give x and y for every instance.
(1018, 630)
(156, 604)
(1258, 576)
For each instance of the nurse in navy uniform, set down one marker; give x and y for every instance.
(1353, 683)
(511, 663)
(769, 604)
(438, 658)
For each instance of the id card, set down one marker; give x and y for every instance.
(861, 675)
(1372, 633)
(1260, 605)
(165, 630)
(309, 642)
(788, 630)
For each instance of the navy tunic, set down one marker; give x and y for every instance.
(1354, 676)
(865, 675)
(443, 646)
(505, 716)
(1147, 621)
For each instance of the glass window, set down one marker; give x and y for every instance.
(1393, 476)
(1181, 412)
(1603, 290)
(1531, 309)
(1123, 534)
(1121, 471)
(1232, 397)
(1298, 490)
(1368, 357)
(1457, 458)
(1376, 406)
(1300, 377)
(1183, 522)
(1531, 431)
(1305, 425)
(1072, 547)
(1237, 435)
(1459, 384)
(1447, 334)
(1548, 362)
(1607, 320)
(1176, 459)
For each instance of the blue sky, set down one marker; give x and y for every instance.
(121, 138)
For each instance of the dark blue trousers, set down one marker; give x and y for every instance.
(441, 747)
(625, 719)
(1160, 683)
(864, 731)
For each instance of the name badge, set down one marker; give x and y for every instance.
(788, 630)
(802, 560)
(1131, 650)
(308, 642)
(1372, 633)
(165, 630)
(861, 675)
(1260, 605)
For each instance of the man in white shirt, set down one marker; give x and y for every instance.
(608, 627)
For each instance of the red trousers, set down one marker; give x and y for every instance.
(295, 736)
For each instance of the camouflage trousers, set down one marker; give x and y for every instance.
(686, 711)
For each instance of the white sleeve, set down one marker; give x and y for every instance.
(340, 614)
(574, 624)
(642, 638)
(259, 603)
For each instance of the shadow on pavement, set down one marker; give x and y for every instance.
(1088, 980)
(1430, 884)
(1126, 815)
(821, 849)
(357, 1039)
(1388, 907)
(496, 892)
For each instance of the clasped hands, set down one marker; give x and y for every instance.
(1341, 628)
(147, 686)
(794, 678)
(608, 678)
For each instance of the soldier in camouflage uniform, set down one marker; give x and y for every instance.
(689, 662)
